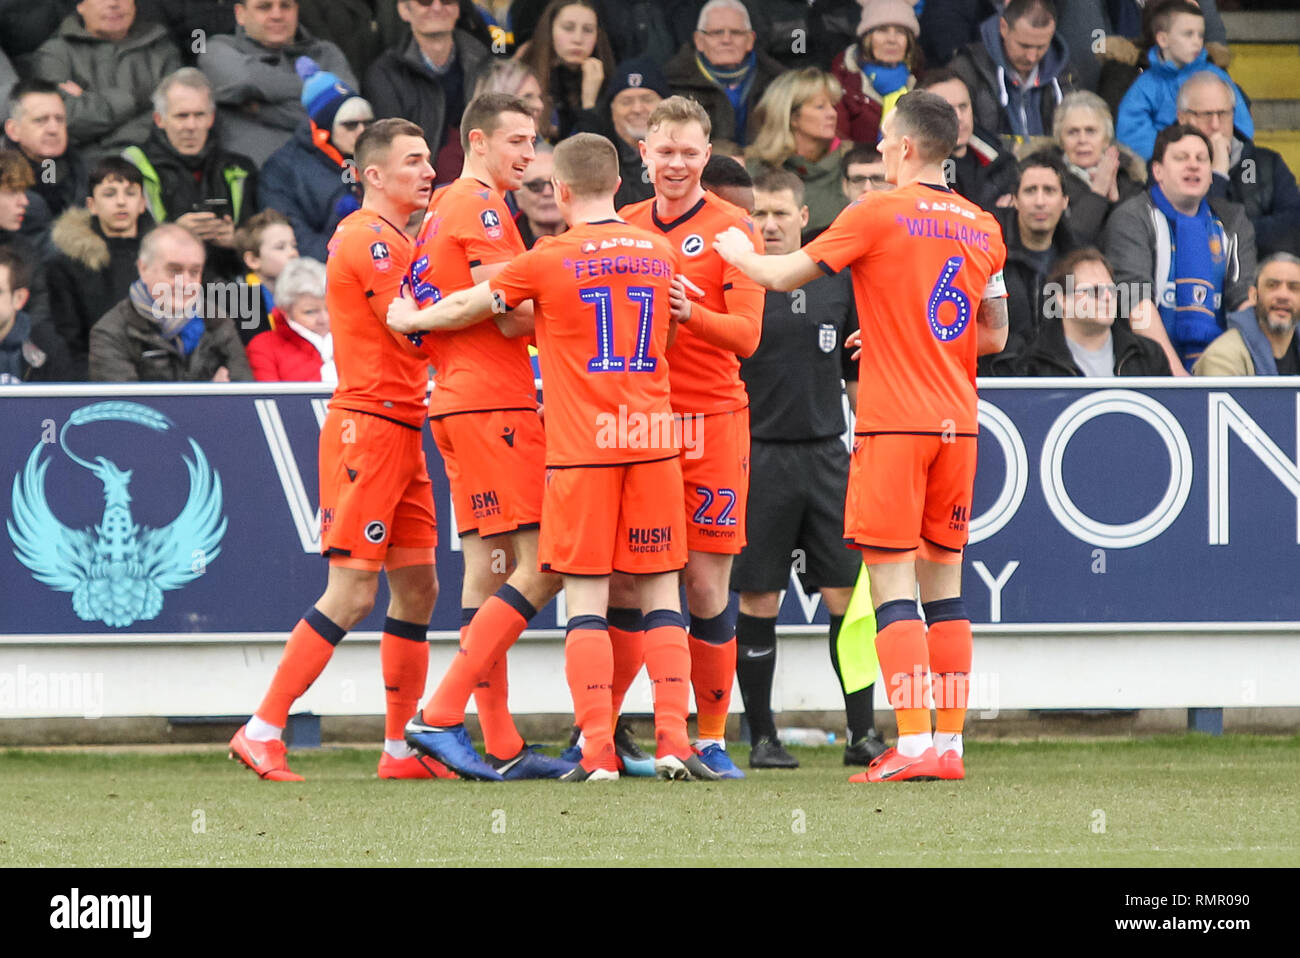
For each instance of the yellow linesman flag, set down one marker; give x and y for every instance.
(856, 646)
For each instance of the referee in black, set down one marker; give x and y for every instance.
(798, 476)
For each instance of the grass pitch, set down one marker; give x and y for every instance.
(1174, 801)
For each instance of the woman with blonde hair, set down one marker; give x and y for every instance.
(796, 131)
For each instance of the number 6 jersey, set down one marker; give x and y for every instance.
(600, 295)
(922, 259)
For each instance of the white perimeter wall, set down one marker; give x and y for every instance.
(1015, 667)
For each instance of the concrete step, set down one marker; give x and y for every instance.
(1278, 26)
(1276, 114)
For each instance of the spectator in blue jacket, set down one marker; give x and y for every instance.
(311, 179)
(1151, 103)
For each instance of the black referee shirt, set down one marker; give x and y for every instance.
(793, 378)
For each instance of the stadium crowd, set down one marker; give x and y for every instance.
(235, 121)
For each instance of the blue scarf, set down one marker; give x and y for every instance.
(886, 79)
(735, 83)
(183, 331)
(1196, 270)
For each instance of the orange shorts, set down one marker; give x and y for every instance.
(625, 518)
(496, 465)
(376, 500)
(910, 493)
(715, 479)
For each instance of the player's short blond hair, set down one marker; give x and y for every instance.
(587, 163)
(679, 109)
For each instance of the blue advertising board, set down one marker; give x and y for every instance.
(149, 510)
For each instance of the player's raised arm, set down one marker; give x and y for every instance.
(784, 273)
(456, 311)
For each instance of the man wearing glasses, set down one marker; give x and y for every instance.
(1080, 336)
(861, 171)
(722, 70)
(1245, 173)
(539, 215)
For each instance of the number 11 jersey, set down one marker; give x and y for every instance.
(600, 296)
(922, 259)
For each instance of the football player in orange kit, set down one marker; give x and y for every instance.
(603, 294)
(927, 276)
(375, 494)
(483, 413)
(724, 322)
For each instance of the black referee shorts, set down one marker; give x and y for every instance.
(796, 518)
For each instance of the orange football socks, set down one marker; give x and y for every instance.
(713, 671)
(404, 661)
(494, 628)
(951, 646)
(492, 696)
(308, 651)
(668, 663)
(589, 667)
(629, 652)
(905, 664)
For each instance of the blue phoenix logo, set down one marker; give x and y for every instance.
(117, 571)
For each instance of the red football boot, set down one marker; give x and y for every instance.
(895, 767)
(268, 759)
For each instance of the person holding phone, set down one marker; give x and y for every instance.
(189, 177)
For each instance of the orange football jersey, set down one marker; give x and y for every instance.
(379, 371)
(922, 259)
(477, 368)
(600, 292)
(706, 377)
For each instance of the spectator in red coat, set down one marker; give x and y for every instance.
(299, 349)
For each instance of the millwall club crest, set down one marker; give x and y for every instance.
(693, 245)
(117, 571)
(827, 337)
